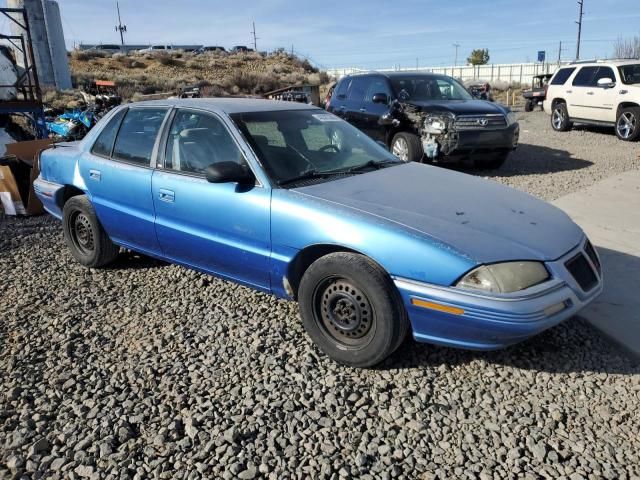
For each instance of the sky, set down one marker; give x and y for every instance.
(364, 33)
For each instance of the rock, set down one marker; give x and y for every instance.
(39, 447)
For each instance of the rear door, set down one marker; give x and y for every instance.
(355, 100)
(578, 99)
(338, 105)
(222, 228)
(117, 173)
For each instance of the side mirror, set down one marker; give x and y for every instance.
(606, 83)
(380, 98)
(226, 172)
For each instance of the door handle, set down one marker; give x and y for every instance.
(362, 110)
(342, 107)
(95, 175)
(589, 93)
(166, 195)
(569, 91)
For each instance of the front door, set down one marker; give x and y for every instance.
(117, 173)
(222, 228)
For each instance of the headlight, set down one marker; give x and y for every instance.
(435, 125)
(504, 277)
(511, 118)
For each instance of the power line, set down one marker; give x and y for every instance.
(579, 22)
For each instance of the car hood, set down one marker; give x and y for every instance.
(482, 219)
(459, 107)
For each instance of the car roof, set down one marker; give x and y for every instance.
(401, 73)
(229, 105)
(597, 63)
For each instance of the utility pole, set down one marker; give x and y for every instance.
(560, 53)
(416, 63)
(255, 39)
(579, 22)
(455, 62)
(120, 28)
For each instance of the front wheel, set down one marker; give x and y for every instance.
(407, 147)
(628, 124)
(351, 309)
(88, 242)
(560, 121)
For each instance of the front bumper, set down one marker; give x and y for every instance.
(487, 140)
(478, 321)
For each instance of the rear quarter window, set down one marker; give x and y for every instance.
(341, 89)
(104, 143)
(562, 76)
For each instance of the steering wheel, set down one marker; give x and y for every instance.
(329, 147)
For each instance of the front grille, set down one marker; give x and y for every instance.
(582, 272)
(480, 122)
(591, 252)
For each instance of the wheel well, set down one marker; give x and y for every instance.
(557, 101)
(305, 258)
(625, 105)
(66, 193)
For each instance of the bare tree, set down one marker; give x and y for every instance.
(627, 47)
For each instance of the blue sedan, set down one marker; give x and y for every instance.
(291, 200)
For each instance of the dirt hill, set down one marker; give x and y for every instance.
(217, 73)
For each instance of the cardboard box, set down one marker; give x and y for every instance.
(17, 196)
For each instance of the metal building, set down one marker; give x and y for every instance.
(47, 41)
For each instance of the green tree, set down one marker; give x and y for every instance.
(479, 56)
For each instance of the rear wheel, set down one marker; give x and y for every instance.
(88, 242)
(351, 309)
(628, 124)
(528, 106)
(407, 147)
(560, 120)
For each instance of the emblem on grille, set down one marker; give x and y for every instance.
(483, 122)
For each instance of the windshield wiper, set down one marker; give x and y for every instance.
(306, 175)
(375, 164)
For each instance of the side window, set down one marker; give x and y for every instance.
(197, 140)
(104, 143)
(341, 91)
(603, 72)
(358, 88)
(377, 85)
(562, 76)
(584, 77)
(138, 134)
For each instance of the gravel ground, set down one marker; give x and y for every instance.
(149, 370)
(551, 164)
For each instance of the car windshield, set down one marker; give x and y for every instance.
(428, 87)
(630, 74)
(309, 145)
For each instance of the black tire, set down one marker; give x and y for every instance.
(407, 147)
(492, 163)
(88, 242)
(351, 309)
(560, 120)
(528, 106)
(628, 124)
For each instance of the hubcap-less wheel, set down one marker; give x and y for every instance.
(344, 313)
(558, 118)
(626, 125)
(82, 233)
(401, 149)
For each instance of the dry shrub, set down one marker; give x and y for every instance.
(86, 55)
(168, 61)
(195, 64)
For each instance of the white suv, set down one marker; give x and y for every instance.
(603, 92)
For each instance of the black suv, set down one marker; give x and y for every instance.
(423, 116)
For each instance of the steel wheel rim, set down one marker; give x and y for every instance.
(626, 124)
(558, 118)
(344, 313)
(82, 233)
(401, 149)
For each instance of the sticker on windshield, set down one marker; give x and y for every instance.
(326, 117)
